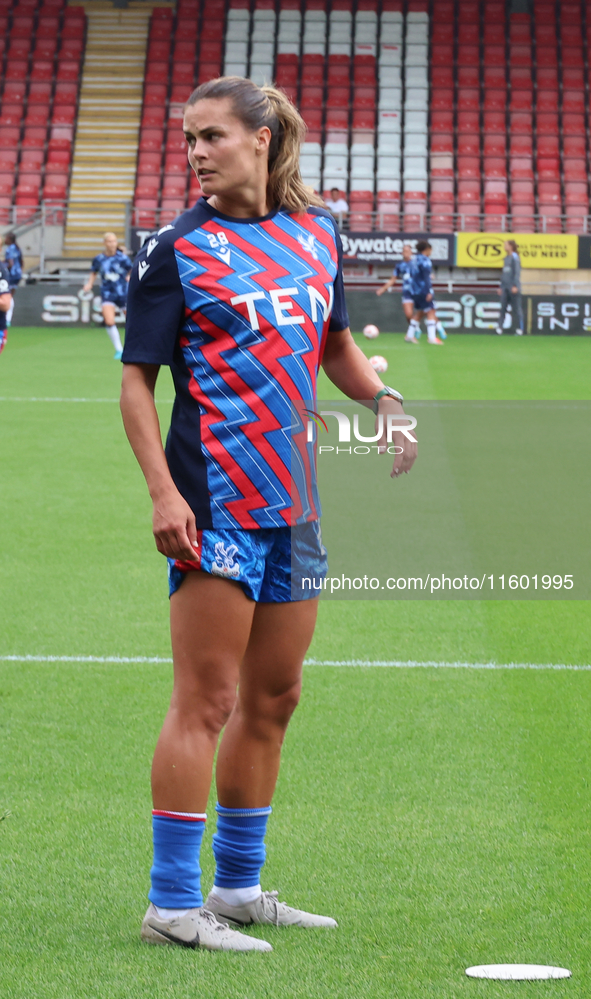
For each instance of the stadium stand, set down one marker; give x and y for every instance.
(441, 115)
(43, 45)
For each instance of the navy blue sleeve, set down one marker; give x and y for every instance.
(127, 264)
(96, 263)
(4, 279)
(155, 305)
(339, 319)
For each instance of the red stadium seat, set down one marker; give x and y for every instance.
(549, 192)
(442, 121)
(175, 163)
(574, 145)
(468, 55)
(494, 145)
(494, 167)
(468, 10)
(442, 55)
(211, 71)
(522, 220)
(159, 51)
(187, 27)
(175, 185)
(547, 78)
(154, 94)
(363, 98)
(22, 27)
(494, 122)
(12, 114)
(521, 168)
(153, 117)
(171, 207)
(183, 72)
(31, 160)
(64, 115)
(364, 76)
(469, 143)
(149, 163)
(495, 78)
(45, 49)
(443, 32)
(495, 100)
(576, 193)
(28, 189)
(6, 184)
(14, 91)
(48, 26)
(494, 55)
(151, 140)
(9, 136)
(441, 142)
(521, 100)
(573, 101)
(287, 75)
(468, 167)
(68, 71)
(19, 48)
(157, 72)
(211, 29)
(61, 137)
(71, 48)
(575, 170)
(521, 122)
(311, 97)
(548, 145)
(180, 92)
(546, 56)
(547, 123)
(547, 100)
(548, 168)
(573, 55)
(520, 55)
(468, 33)
(55, 186)
(147, 187)
(442, 99)
(468, 76)
(16, 69)
(522, 192)
(65, 93)
(442, 223)
(468, 99)
(42, 70)
(33, 138)
(468, 121)
(573, 78)
(176, 142)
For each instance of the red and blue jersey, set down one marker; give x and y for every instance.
(240, 310)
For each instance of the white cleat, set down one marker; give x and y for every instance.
(266, 909)
(198, 928)
(498, 330)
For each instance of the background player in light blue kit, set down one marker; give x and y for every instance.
(13, 259)
(5, 300)
(114, 267)
(401, 273)
(422, 289)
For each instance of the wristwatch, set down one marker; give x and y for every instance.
(386, 390)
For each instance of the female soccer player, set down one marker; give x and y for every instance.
(422, 292)
(13, 259)
(6, 301)
(401, 273)
(510, 289)
(113, 267)
(242, 296)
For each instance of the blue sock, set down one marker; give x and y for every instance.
(175, 874)
(239, 846)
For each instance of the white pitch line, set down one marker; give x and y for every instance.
(363, 663)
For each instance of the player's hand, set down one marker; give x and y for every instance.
(173, 524)
(514, 289)
(428, 298)
(380, 291)
(406, 451)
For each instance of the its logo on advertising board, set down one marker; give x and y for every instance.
(537, 250)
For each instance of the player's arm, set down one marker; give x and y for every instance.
(173, 521)
(349, 369)
(5, 295)
(89, 281)
(388, 284)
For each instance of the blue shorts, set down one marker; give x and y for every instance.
(406, 299)
(274, 565)
(421, 304)
(110, 298)
(3, 337)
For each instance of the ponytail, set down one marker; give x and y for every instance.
(257, 107)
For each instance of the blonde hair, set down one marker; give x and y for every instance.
(258, 107)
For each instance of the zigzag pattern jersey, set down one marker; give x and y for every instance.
(240, 310)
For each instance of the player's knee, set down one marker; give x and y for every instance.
(274, 710)
(206, 713)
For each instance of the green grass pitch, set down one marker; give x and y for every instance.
(442, 815)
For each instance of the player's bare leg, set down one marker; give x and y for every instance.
(108, 310)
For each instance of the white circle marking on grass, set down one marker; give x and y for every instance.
(517, 972)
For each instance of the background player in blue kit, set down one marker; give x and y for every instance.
(422, 289)
(243, 298)
(401, 273)
(113, 267)
(13, 259)
(5, 301)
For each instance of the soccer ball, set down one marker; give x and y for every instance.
(379, 364)
(371, 331)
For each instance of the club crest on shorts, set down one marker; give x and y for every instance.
(224, 564)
